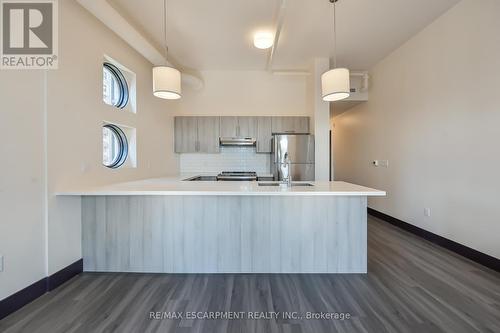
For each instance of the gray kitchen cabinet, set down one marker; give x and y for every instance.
(228, 127)
(293, 125)
(208, 134)
(238, 127)
(186, 134)
(247, 127)
(196, 134)
(264, 134)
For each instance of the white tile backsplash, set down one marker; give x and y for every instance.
(229, 159)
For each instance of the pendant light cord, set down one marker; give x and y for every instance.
(334, 35)
(165, 13)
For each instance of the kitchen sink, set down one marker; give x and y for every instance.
(302, 184)
(202, 178)
(294, 184)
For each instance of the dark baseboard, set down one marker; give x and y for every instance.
(22, 297)
(27, 295)
(65, 274)
(467, 252)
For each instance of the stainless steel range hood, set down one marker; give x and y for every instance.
(237, 141)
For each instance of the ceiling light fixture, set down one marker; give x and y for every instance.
(263, 40)
(335, 84)
(166, 79)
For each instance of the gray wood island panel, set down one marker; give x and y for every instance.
(225, 234)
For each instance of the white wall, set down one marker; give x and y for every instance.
(247, 93)
(434, 114)
(22, 231)
(75, 113)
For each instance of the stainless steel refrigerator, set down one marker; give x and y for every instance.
(300, 151)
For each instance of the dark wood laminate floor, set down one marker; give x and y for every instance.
(412, 286)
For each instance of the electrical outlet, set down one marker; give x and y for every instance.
(427, 212)
(384, 163)
(1, 263)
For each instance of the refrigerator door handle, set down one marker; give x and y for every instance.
(274, 150)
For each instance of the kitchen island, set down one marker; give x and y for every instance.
(172, 226)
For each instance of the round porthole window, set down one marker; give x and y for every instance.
(114, 86)
(115, 146)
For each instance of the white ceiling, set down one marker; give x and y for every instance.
(218, 34)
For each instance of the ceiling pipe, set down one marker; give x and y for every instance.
(280, 17)
(111, 18)
(365, 84)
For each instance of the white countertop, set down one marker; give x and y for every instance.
(176, 186)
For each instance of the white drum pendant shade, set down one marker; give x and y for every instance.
(166, 82)
(335, 84)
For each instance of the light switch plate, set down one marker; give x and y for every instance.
(427, 212)
(1, 263)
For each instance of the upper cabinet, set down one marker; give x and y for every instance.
(208, 134)
(228, 127)
(264, 134)
(186, 134)
(238, 127)
(247, 127)
(201, 134)
(197, 134)
(291, 125)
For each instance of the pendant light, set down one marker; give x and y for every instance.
(166, 79)
(335, 83)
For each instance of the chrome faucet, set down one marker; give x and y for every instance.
(288, 163)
